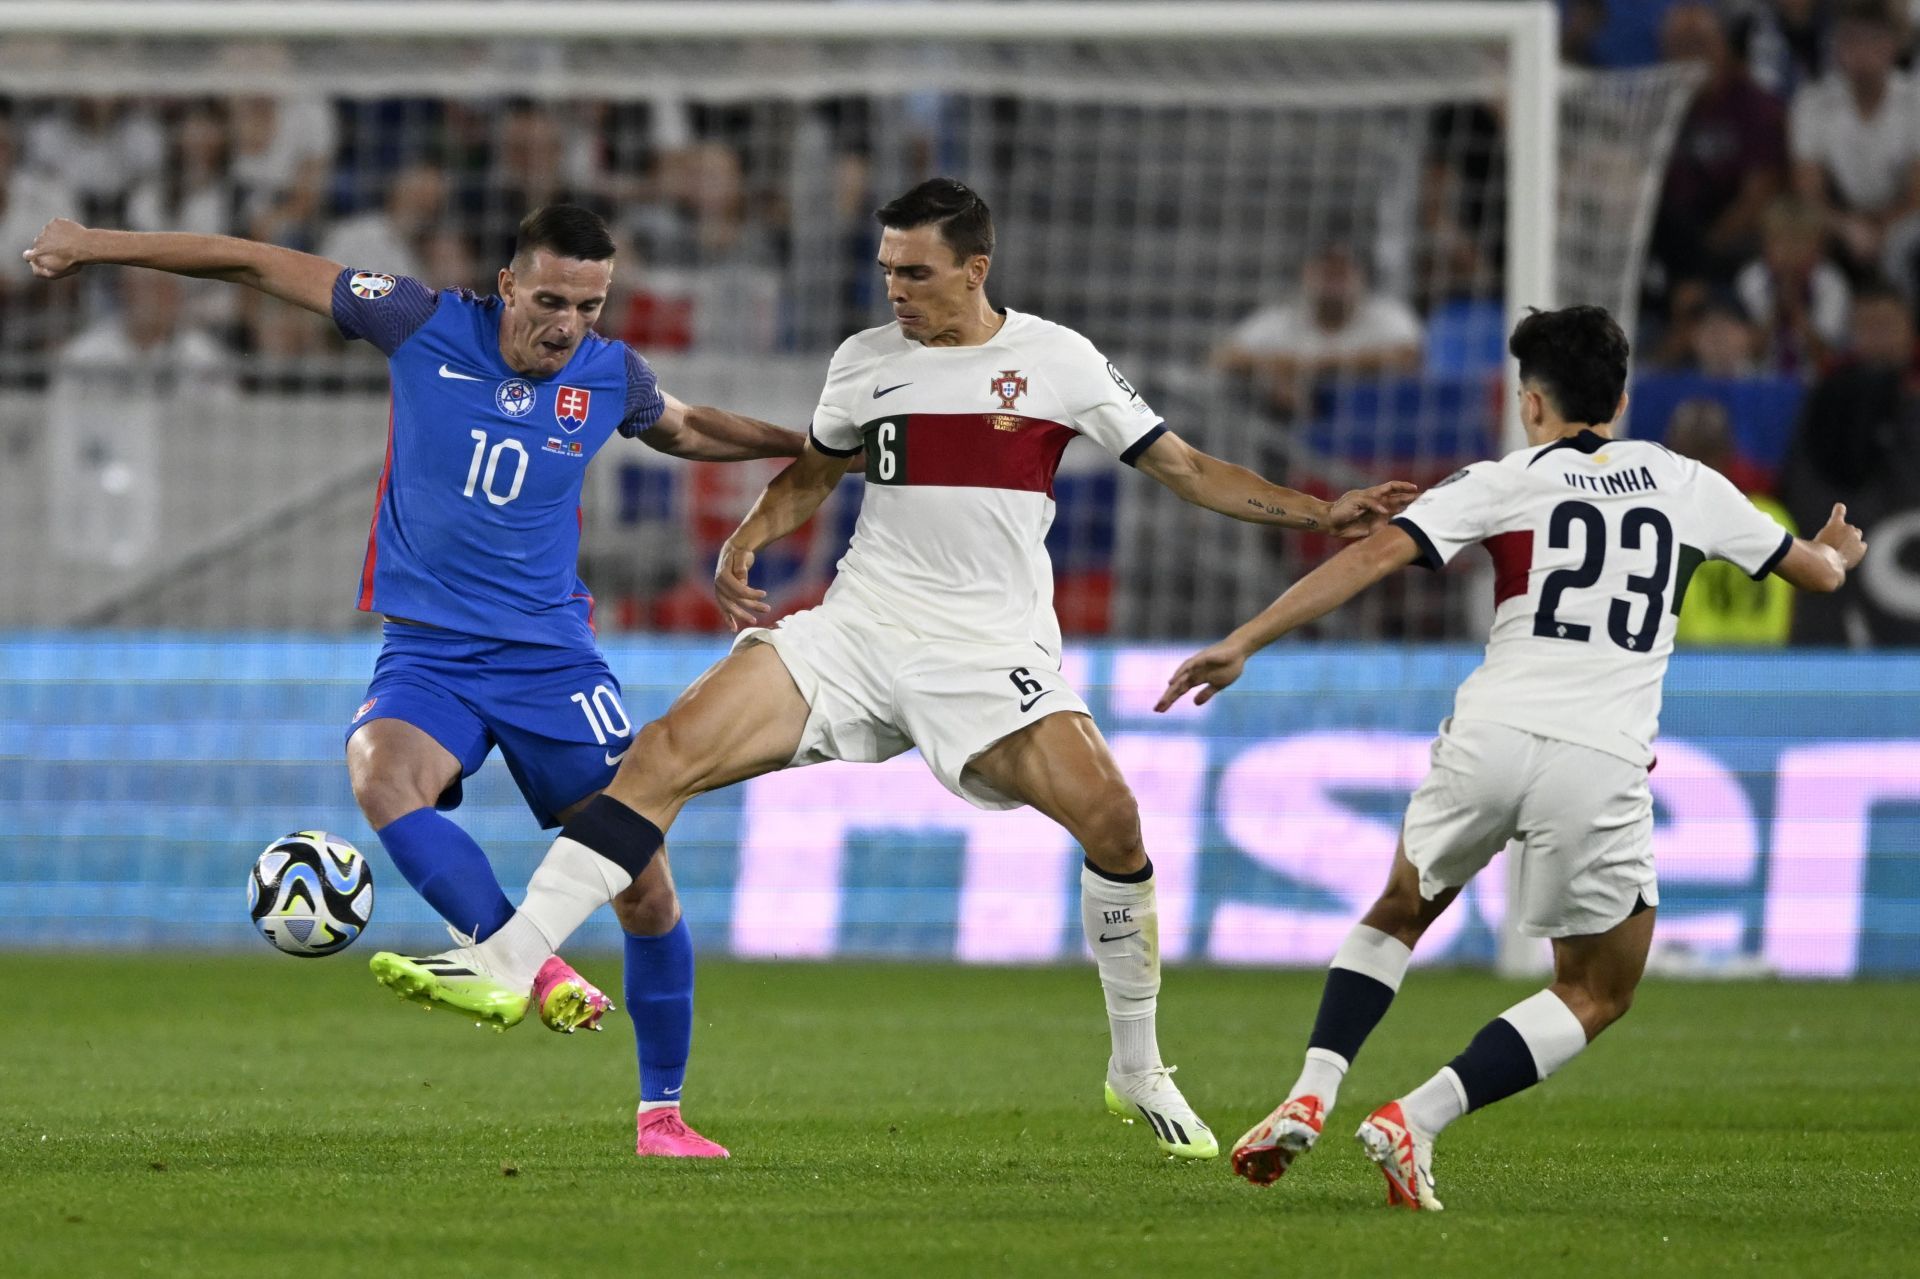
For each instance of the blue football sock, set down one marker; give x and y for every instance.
(447, 868)
(659, 992)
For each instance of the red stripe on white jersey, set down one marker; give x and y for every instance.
(1512, 562)
(985, 450)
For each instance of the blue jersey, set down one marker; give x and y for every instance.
(476, 526)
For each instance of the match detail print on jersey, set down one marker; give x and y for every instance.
(965, 450)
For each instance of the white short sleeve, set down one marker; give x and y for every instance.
(1734, 529)
(1271, 330)
(1454, 514)
(1103, 406)
(1391, 323)
(835, 432)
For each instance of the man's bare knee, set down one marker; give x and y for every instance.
(390, 782)
(386, 791)
(1596, 1007)
(1111, 833)
(649, 906)
(1402, 913)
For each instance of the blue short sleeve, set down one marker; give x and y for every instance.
(383, 309)
(645, 404)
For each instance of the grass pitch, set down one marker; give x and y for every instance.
(249, 1115)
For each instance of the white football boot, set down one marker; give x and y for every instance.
(1152, 1096)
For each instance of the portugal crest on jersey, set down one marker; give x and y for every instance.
(570, 408)
(1009, 386)
(515, 397)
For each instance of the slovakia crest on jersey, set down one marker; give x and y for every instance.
(570, 408)
(1009, 386)
(515, 397)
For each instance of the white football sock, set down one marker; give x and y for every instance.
(1320, 1076)
(1122, 925)
(1554, 1035)
(571, 883)
(1436, 1103)
(1370, 953)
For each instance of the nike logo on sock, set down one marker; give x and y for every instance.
(673, 1091)
(879, 391)
(1120, 936)
(1028, 704)
(459, 377)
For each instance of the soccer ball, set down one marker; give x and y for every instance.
(310, 893)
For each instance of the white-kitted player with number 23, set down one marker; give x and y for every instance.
(1593, 539)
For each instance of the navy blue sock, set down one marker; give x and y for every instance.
(449, 870)
(659, 991)
(1496, 1065)
(1351, 1005)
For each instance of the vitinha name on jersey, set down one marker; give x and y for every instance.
(1632, 480)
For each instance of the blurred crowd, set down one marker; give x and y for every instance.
(433, 189)
(1776, 330)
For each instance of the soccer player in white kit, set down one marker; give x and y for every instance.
(939, 630)
(1593, 539)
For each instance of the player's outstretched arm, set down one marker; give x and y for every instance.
(793, 496)
(64, 246)
(1318, 593)
(706, 434)
(1220, 486)
(1820, 563)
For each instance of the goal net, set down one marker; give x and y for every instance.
(1300, 242)
(1302, 231)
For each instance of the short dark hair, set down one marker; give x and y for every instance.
(1577, 357)
(965, 222)
(566, 231)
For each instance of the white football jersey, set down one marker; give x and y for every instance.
(1593, 542)
(962, 443)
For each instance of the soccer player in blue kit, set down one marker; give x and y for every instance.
(498, 405)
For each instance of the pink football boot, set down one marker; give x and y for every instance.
(566, 1000)
(661, 1131)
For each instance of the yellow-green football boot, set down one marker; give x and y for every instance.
(453, 979)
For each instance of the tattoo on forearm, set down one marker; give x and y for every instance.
(1280, 513)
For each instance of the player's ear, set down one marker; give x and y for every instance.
(1620, 410)
(977, 267)
(505, 284)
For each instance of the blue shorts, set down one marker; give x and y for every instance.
(554, 712)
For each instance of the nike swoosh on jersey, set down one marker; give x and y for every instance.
(615, 759)
(1028, 704)
(880, 391)
(459, 377)
(1120, 936)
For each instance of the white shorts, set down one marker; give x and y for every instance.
(1584, 820)
(874, 689)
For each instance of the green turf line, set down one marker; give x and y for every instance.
(248, 1115)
